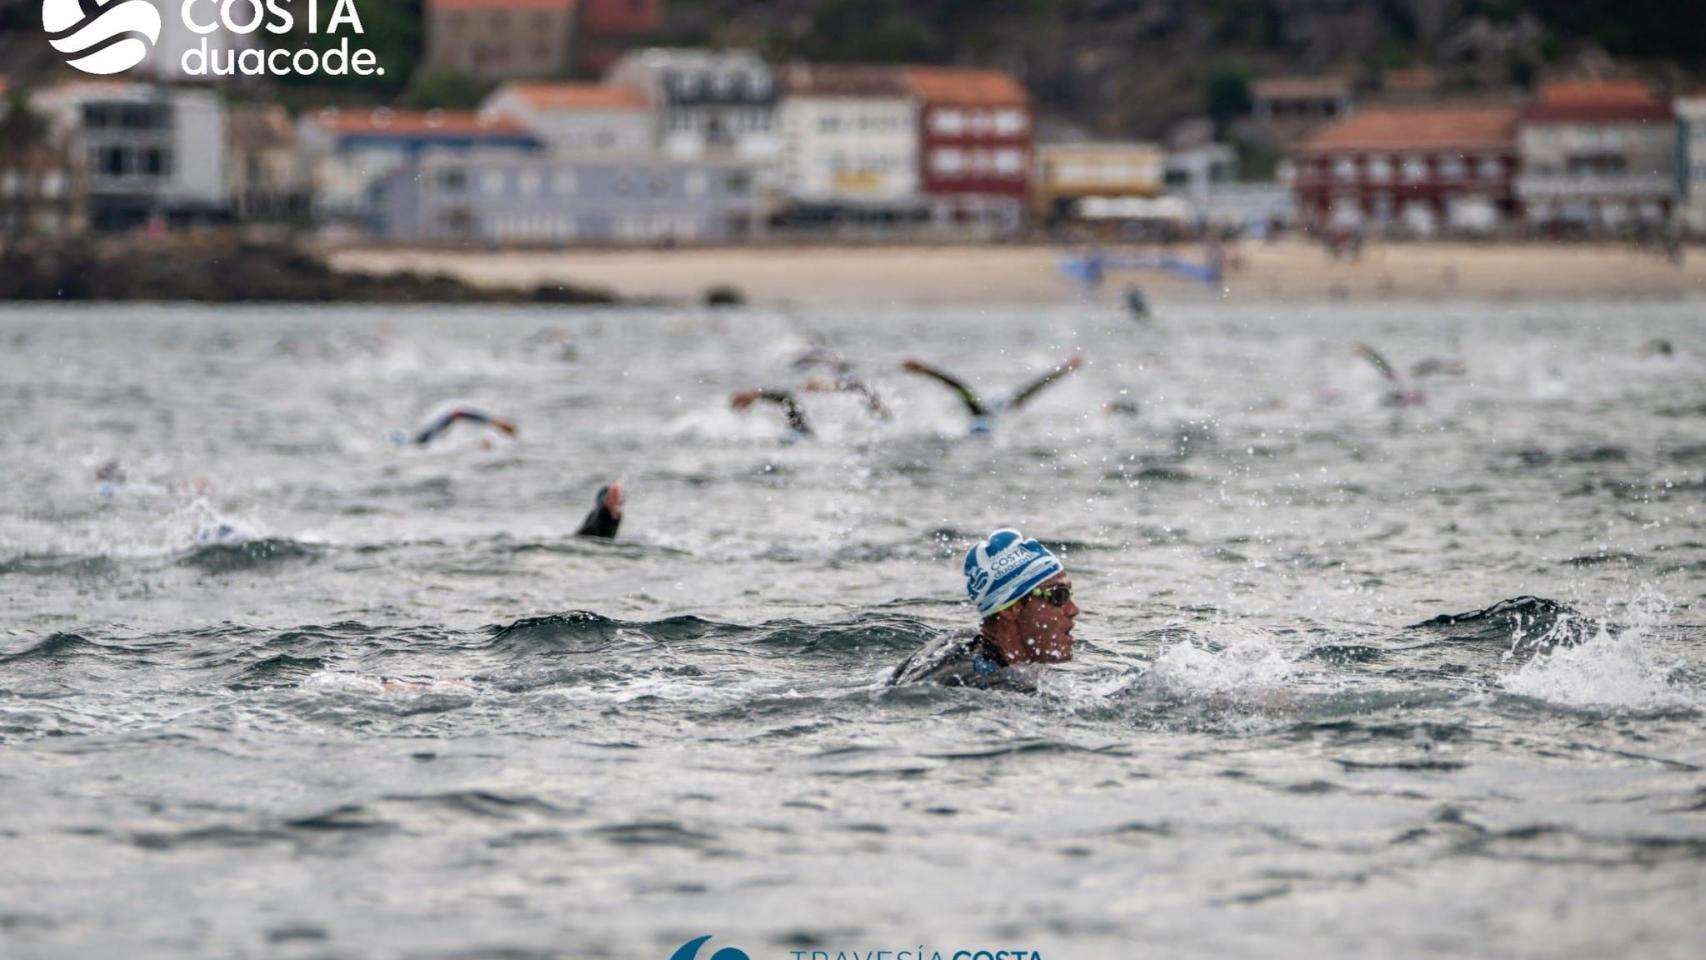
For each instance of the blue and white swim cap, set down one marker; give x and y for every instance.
(1000, 571)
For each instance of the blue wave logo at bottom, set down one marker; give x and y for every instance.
(690, 951)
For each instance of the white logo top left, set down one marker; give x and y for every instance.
(101, 36)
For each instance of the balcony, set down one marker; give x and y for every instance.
(1563, 186)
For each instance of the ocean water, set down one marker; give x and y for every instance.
(271, 686)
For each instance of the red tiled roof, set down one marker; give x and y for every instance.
(1421, 129)
(1596, 101)
(966, 87)
(577, 96)
(494, 5)
(1301, 88)
(841, 80)
(416, 122)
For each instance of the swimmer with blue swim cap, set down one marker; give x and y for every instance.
(983, 415)
(1022, 592)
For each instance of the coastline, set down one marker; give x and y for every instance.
(1288, 271)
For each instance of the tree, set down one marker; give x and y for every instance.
(1228, 96)
(446, 90)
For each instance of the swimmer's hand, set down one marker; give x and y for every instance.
(911, 365)
(1073, 362)
(505, 424)
(741, 399)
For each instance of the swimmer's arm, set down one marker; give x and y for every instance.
(431, 431)
(973, 403)
(873, 403)
(1368, 353)
(790, 408)
(1036, 386)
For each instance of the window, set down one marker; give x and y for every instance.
(828, 123)
(1379, 169)
(1415, 169)
(563, 183)
(1010, 123)
(947, 162)
(110, 161)
(529, 183)
(738, 183)
(1009, 162)
(1489, 168)
(139, 116)
(96, 116)
(696, 183)
(156, 162)
(948, 122)
(493, 183)
(1451, 168)
(1345, 168)
(453, 180)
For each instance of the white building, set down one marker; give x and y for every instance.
(1597, 155)
(849, 135)
(145, 151)
(708, 103)
(1691, 161)
(577, 119)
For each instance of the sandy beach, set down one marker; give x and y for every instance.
(1287, 271)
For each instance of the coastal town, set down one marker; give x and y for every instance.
(589, 136)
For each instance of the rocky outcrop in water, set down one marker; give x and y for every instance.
(215, 269)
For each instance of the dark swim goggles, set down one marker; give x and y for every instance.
(1057, 595)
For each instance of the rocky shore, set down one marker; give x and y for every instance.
(213, 269)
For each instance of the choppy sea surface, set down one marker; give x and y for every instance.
(395, 709)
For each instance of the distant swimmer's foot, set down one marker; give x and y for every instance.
(606, 515)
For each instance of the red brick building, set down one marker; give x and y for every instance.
(1411, 170)
(975, 143)
(608, 28)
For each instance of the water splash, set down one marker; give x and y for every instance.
(1624, 669)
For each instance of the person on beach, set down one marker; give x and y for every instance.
(606, 513)
(437, 426)
(983, 414)
(1025, 599)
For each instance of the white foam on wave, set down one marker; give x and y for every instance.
(1251, 667)
(343, 682)
(1626, 670)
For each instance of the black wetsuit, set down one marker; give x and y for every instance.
(962, 660)
(436, 428)
(791, 408)
(600, 522)
(975, 405)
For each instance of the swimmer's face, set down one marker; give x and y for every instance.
(1045, 630)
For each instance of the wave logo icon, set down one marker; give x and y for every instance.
(690, 951)
(101, 36)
